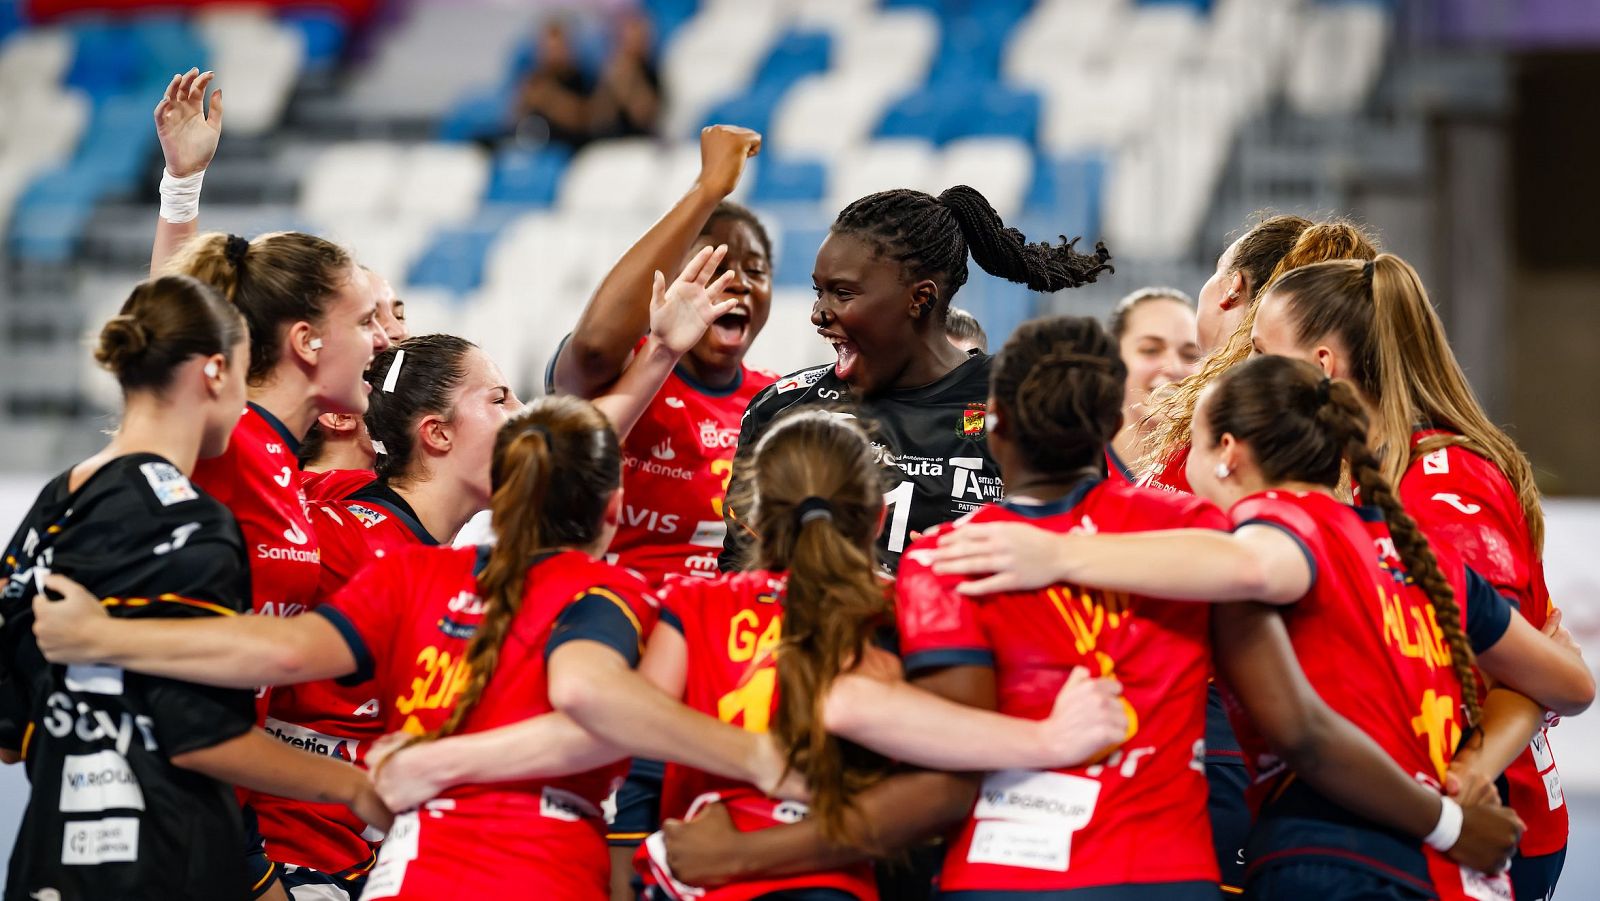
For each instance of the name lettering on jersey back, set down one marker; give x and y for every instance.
(440, 678)
(64, 716)
(747, 638)
(1413, 630)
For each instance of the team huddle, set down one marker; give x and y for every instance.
(1241, 595)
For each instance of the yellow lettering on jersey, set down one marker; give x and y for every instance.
(1414, 632)
(1437, 723)
(722, 468)
(439, 679)
(750, 705)
(743, 643)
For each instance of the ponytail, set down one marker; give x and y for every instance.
(816, 518)
(533, 511)
(931, 236)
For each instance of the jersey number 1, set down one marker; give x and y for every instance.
(899, 500)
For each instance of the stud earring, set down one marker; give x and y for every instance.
(1223, 471)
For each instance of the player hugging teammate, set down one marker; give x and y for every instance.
(897, 625)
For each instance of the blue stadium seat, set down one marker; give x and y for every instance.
(796, 55)
(789, 181)
(51, 216)
(484, 114)
(797, 256)
(1066, 194)
(751, 109)
(324, 34)
(668, 16)
(527, 178)
(10, 17)
(992, 110)
(454, 260)
(1203, 7)
(106, 62)
(166, 45)
(920, 114)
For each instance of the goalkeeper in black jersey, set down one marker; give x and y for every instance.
(884, 278)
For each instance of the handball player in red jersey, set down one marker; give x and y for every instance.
(1464, 480)
(678, 458)
(1156, 338)
(1271, 439)
(426, 624)
(818, 594)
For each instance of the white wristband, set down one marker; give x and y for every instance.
(180, 197)
(1447, 831)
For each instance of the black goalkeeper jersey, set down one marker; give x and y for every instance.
(931, 441)
(109, 816)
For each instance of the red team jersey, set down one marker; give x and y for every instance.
(408, 620)
(1463, 501)
(1172, 474)
(1136, 817)
(732, 626)
(1363, 607)
(329, 718)
(676, 464)
(335, 484)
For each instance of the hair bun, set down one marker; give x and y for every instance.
(122, 341)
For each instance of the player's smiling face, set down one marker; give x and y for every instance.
(351, 337)
(721, 350)
(865, 308)
(481, 405)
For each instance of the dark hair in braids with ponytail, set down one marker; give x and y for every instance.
(1058, 383)
(1302, 427)
(532, 510)
(819, 496)
(432, 368)
(931, 237)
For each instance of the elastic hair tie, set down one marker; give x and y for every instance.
(379, 449)
(1368, 270)
(235, 250)
(392, 378)
(548, 439)
(812, 508)
(1072, 358)
(1324, 391)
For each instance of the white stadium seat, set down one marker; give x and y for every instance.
(355, 178)
(713, 57)
(881, 165)
(824, 115)
(442, 183)
(257, 60)
(892, 52)
(1337, 58)
(611, 176)
(35, 58)
(1001, 168)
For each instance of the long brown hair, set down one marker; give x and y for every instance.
(555, 467)
(275, 280)
(1402, 360)
(1302, 427)
(1278, 245)
(819, 501)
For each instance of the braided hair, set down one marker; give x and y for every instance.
(1302, 427)
(930, 238)
(1059, 382)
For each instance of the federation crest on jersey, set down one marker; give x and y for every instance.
(368, 516)
(972, 422)
(170, 485)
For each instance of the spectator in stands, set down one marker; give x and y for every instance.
(965, 331)
(556, 103)
(628, 98)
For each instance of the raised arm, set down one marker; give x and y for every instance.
(188, 137)
(679, 315)
(1252, 563)
(618, 313)
(931, 731)
(226, 651)
(1254, 655)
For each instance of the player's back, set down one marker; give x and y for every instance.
(1095, 825)
(732, 626)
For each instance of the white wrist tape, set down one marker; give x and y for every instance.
(180, 197)
(1447, 831)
